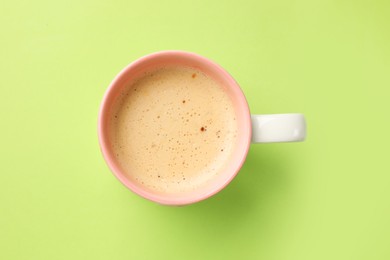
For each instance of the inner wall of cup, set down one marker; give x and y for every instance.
(212, 70)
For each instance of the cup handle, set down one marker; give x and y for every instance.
(278, 128)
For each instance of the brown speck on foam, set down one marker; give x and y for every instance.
(183, 101)
(203, 128)
(193, 75)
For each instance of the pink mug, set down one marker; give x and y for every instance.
(252, 128)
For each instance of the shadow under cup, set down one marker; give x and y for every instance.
(211, 69)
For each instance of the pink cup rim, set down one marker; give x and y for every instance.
(245, 140)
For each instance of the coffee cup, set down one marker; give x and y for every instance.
(175, 128)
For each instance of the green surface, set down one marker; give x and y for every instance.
(327, 198)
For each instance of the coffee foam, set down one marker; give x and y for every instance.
(173, 129)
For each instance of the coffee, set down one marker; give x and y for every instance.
(173, 129)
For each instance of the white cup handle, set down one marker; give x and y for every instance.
(278, 128)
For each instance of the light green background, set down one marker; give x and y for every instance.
(327, 198)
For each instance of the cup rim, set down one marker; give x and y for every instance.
(154, 197)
